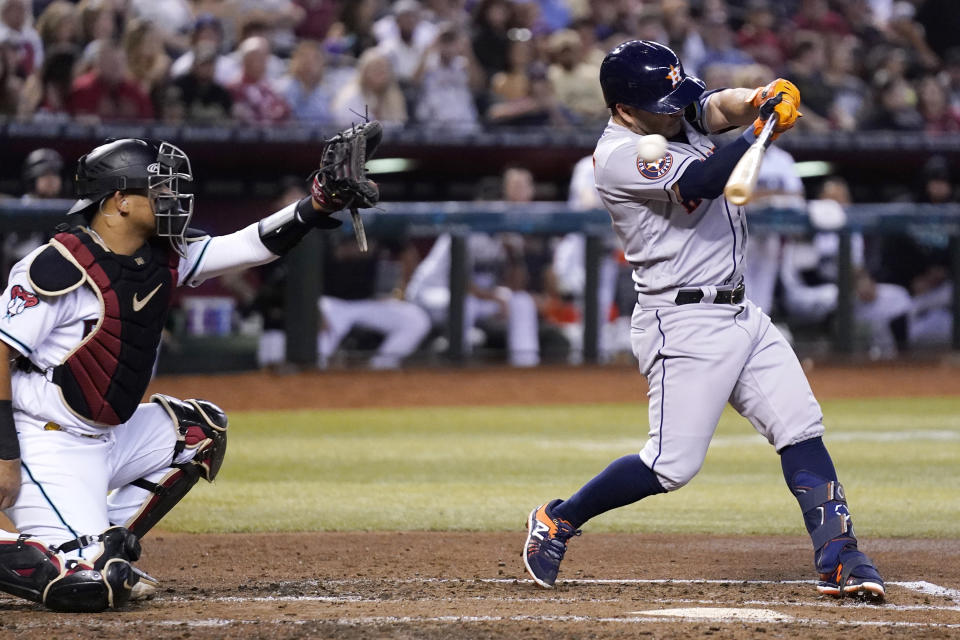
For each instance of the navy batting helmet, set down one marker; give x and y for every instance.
(41, 162)
(649, 76)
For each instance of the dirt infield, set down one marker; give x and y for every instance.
(472, 585)
(503, 386)
(463, 585)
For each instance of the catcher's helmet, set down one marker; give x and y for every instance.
(131, 164)
(41, 162)
(649, 76)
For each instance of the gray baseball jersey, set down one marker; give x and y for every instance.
(696, 357)
(671, 244)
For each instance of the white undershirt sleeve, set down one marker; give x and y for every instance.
(214, 256)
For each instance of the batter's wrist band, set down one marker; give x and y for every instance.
(9, 443)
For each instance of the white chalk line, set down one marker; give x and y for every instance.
(380, 620)
(917, 586)
(921, 586)
(359, 599)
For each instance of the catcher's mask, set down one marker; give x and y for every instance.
(155, 170)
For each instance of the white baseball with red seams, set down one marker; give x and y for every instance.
(696, 357)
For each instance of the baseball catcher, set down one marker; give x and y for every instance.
(78, 343)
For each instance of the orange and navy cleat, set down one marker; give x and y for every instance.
(854, 577)
(547, 538)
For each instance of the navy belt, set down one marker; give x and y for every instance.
(729, 296)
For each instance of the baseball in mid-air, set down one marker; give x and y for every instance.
(652, 147)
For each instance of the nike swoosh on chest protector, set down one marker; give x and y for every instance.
(140, 304)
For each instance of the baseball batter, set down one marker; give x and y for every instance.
(699, 341)
(78, 340)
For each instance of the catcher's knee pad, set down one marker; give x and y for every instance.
(201, 427)
(826, 515)
(41, 574)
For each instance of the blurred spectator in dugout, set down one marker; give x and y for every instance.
(42, 177)
(496, 277)
(565, 280)
(920, 261)
(360, 291)
(809, 275)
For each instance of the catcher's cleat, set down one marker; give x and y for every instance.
(547, 538)
(854, 577)
(143, 590)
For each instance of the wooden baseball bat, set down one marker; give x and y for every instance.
(743, 178)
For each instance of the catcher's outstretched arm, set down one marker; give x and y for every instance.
(339, 183)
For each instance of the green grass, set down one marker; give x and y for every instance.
(484, 468)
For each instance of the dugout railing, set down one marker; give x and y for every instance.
(428, 219)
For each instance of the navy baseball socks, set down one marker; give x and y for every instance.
(551, 525)
(843, 569)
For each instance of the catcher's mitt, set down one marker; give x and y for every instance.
(341, 181)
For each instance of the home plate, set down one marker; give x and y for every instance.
(719, 614)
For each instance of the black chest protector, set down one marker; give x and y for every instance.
(104, 378)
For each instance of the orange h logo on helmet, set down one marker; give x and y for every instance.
(674, 75)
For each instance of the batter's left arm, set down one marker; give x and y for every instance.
(729, 108)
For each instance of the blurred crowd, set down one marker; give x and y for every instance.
(859, 64)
